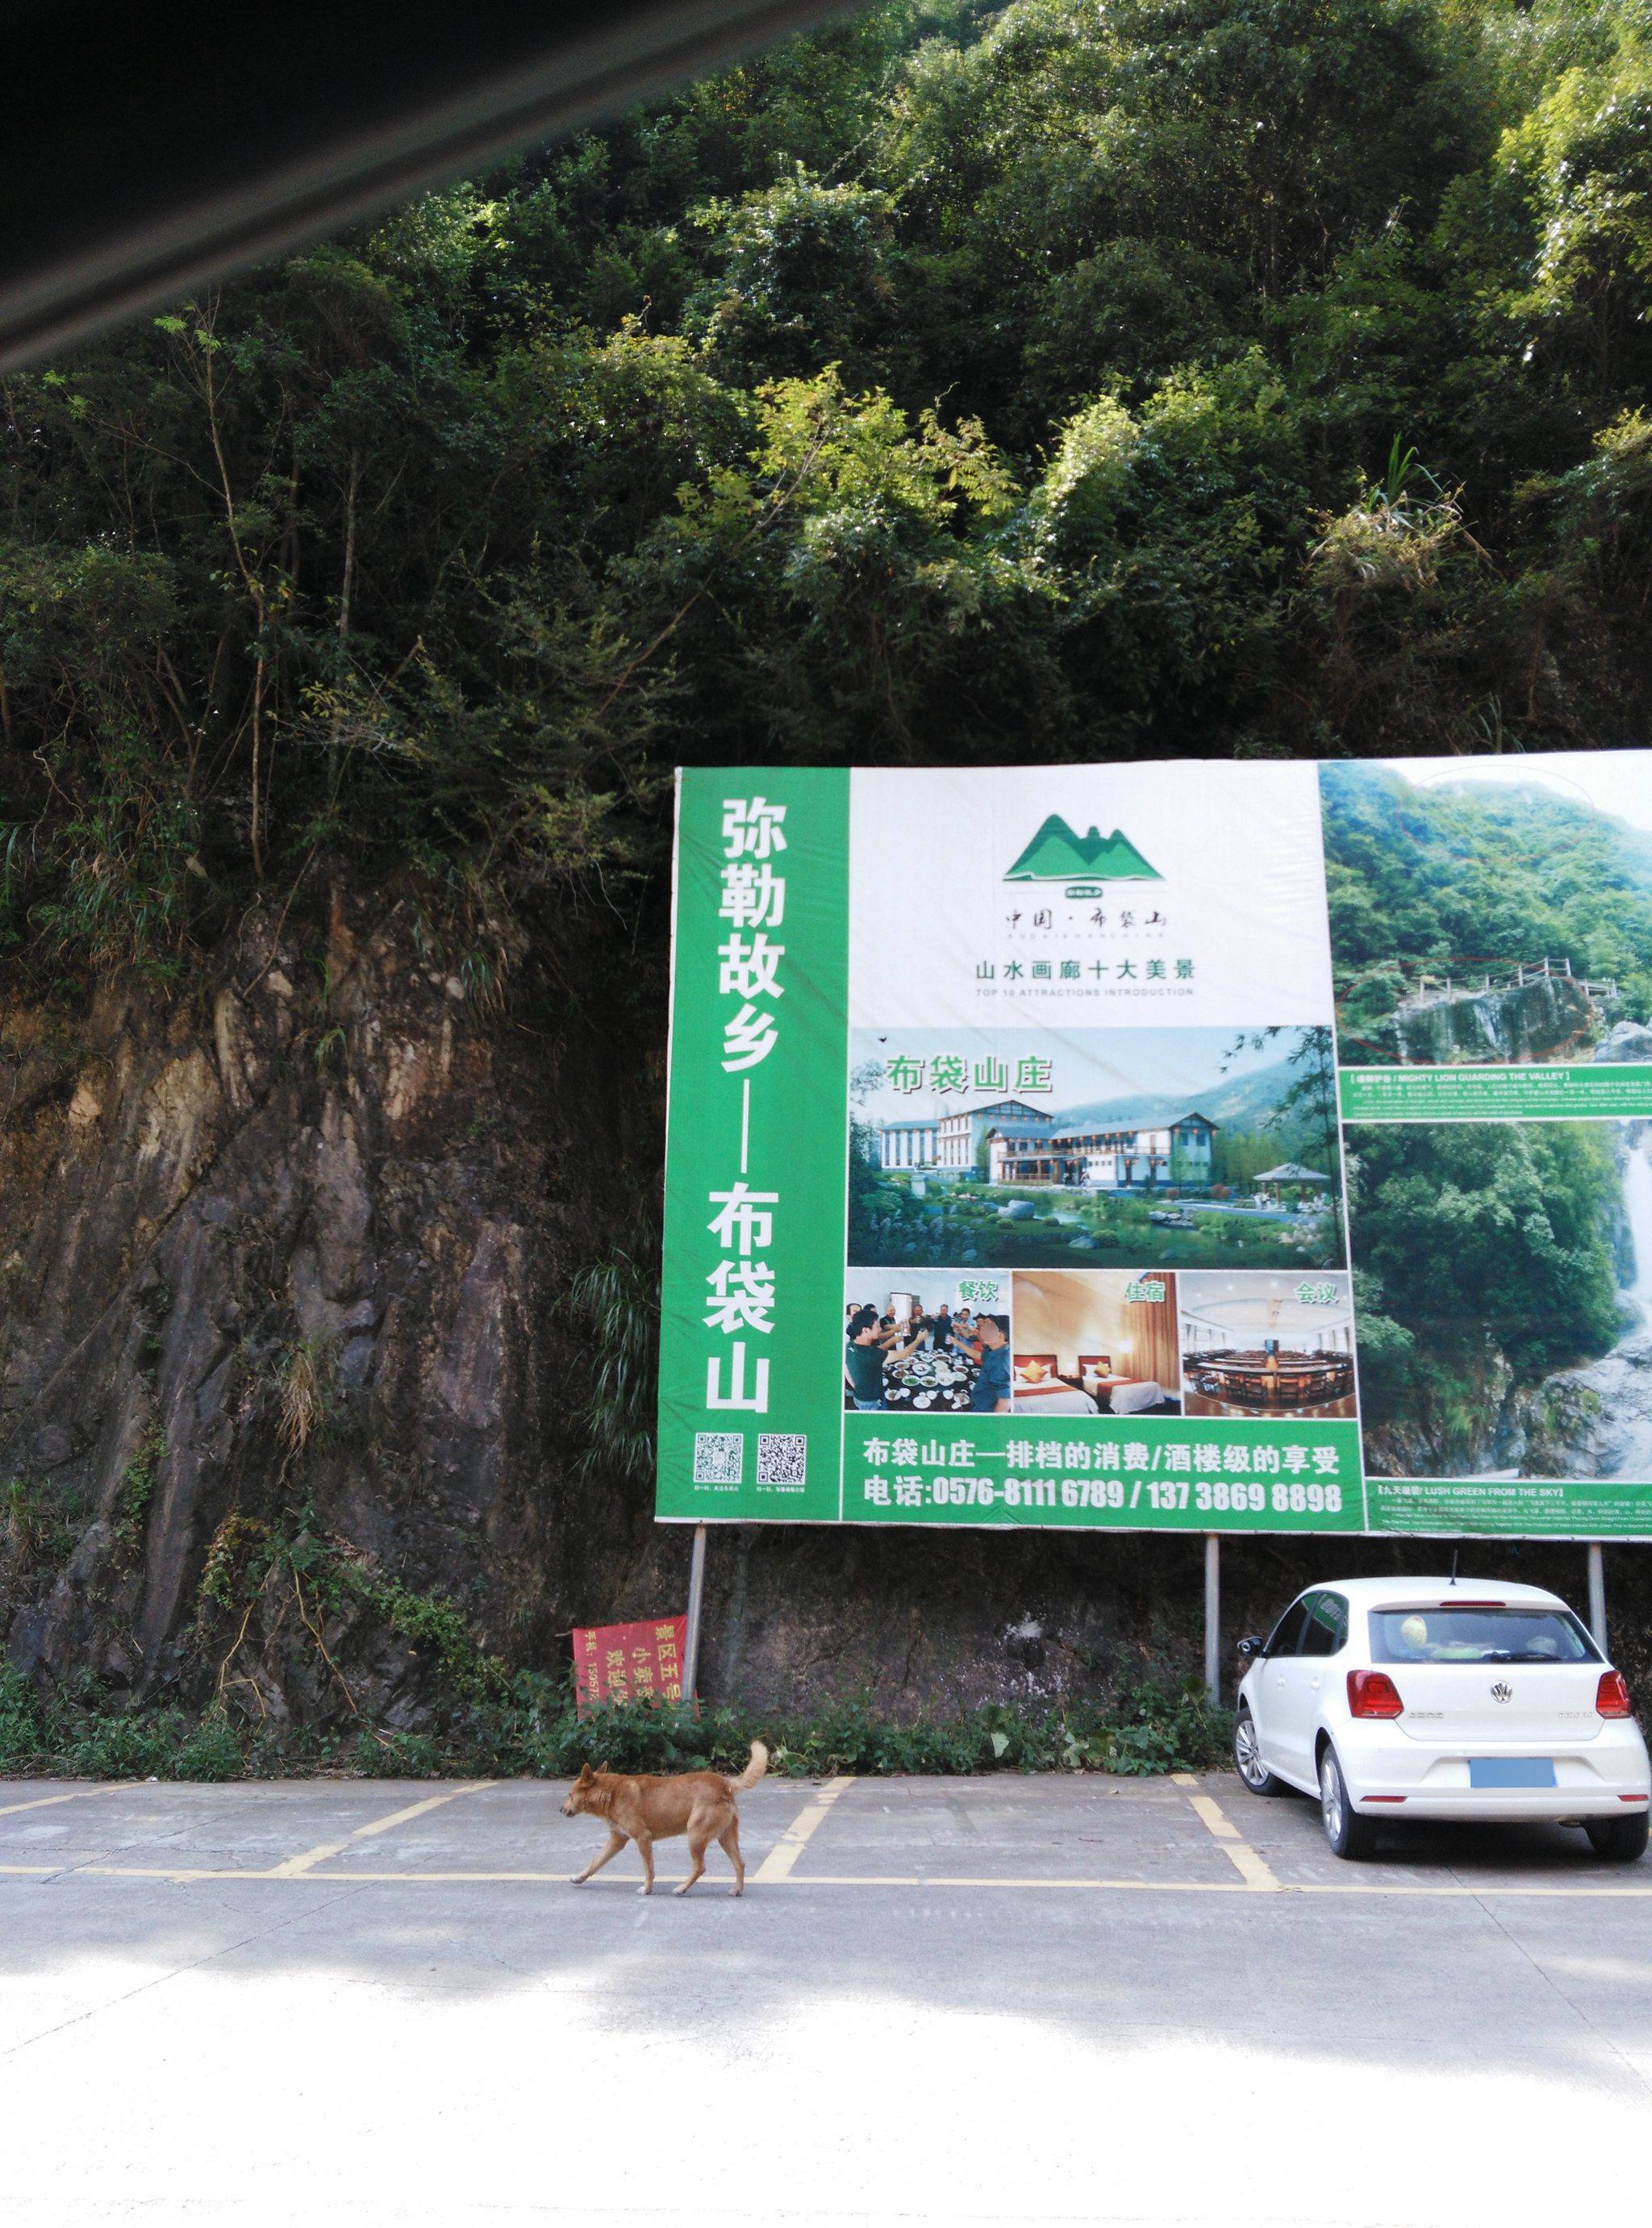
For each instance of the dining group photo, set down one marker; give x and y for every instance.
(937, 1343)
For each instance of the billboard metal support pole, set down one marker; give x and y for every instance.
(1598, 1594)
(1214, 1616)
(696, 1599)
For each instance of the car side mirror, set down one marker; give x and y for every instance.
(1250, 1650)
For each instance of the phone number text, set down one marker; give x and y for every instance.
(1170, 1495)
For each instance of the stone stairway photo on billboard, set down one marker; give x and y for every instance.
(1491, 912)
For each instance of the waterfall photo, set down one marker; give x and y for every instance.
(1503, 1281)
(1491, 912)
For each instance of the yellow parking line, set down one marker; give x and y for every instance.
(45, 1801)
(1254, 1871)
(1407, 1887)
(1251, 1869)
(295, 1867)
(777, 1865)
(805, 1879)
(185, 1875)
(179, 1873)
(950, 1879)
(1215, 1818)
(959, 1880)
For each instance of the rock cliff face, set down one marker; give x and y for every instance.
(1553, 1429)
(1625, 1040)
(1552, 1019)
(291, 1254)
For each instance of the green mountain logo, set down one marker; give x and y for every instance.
(1056, 855)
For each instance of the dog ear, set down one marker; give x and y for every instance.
(585, 1776)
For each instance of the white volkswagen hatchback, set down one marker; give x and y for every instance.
(1442, 1698)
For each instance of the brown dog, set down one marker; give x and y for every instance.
(645, 1808)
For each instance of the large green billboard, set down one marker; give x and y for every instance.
(1200, 1146)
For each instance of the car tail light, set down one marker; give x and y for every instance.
(1611, 1696)
(1373, 1694)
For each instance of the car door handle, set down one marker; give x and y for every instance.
(1314, 1683)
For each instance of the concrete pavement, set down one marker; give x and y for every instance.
(992, 2001)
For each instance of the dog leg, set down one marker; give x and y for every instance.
(616, 1843)
(645, 1850)
(698, 1842)
(729, 1842)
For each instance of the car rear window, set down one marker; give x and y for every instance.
(1479, 1636)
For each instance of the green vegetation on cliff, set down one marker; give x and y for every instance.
(960, 383)
(1451, 875)
(1485, 1257)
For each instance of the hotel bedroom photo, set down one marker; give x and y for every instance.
(1095, 1343)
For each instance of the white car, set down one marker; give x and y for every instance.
(1442, 1698)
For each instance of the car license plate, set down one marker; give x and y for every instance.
(1511, 1771)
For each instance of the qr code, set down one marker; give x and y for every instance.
(719, 1458)
(781, 1458)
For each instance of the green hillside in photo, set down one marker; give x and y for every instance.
(1475, 881)
(1254, 1095)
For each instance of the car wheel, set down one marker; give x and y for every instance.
(1620, 1840)
(1348, 1833)
(1247, 1758)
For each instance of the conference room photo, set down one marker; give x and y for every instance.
(1267, 1345)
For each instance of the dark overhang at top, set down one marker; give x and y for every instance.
(147, 150)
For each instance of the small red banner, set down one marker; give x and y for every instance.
(629, 1662)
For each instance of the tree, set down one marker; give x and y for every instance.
(957, 383)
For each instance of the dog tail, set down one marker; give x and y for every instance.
(754, 1771)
